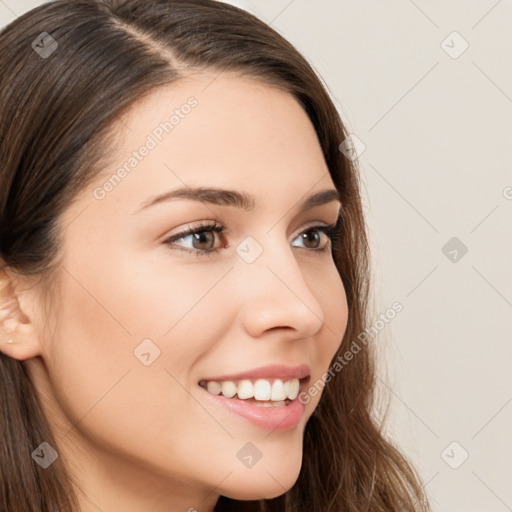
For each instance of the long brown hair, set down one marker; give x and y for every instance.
(59, 101)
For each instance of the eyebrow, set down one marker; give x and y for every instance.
(242, 200)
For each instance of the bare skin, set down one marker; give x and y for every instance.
(143, 437)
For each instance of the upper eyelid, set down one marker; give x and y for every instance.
(210, 225)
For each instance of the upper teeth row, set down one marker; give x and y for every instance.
(262, 389)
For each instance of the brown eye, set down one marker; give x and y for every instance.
(203, 240)
(200, 239)
(311, 239)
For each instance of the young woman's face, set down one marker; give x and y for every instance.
(144, 323)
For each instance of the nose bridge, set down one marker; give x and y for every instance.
(273, 289)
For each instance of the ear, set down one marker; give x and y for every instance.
(18, 337)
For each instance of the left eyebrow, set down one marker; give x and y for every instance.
(234, 198)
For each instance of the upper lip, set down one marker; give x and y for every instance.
(277, 371)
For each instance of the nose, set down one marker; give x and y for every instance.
(274, 293)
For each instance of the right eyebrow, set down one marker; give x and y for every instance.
(224, 197)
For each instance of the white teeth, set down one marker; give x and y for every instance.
(262, 389)
(228, 388)
(271, 394)
(245, 389)
(294, 389)
(277, 390)
(214, 387)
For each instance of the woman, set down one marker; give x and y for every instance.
(184, 258)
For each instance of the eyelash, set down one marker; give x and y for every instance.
(329, 230)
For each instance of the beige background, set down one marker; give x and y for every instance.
(436, 165)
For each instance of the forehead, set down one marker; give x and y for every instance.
(218, 130)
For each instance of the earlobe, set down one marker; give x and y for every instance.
(17, 339)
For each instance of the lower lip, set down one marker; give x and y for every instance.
(283, 417)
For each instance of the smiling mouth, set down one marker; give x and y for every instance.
(261, 392)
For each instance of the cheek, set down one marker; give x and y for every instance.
(123, 316)
(153, 296)
(113, 395)
(333, 299)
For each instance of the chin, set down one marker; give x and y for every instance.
(262, 483)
